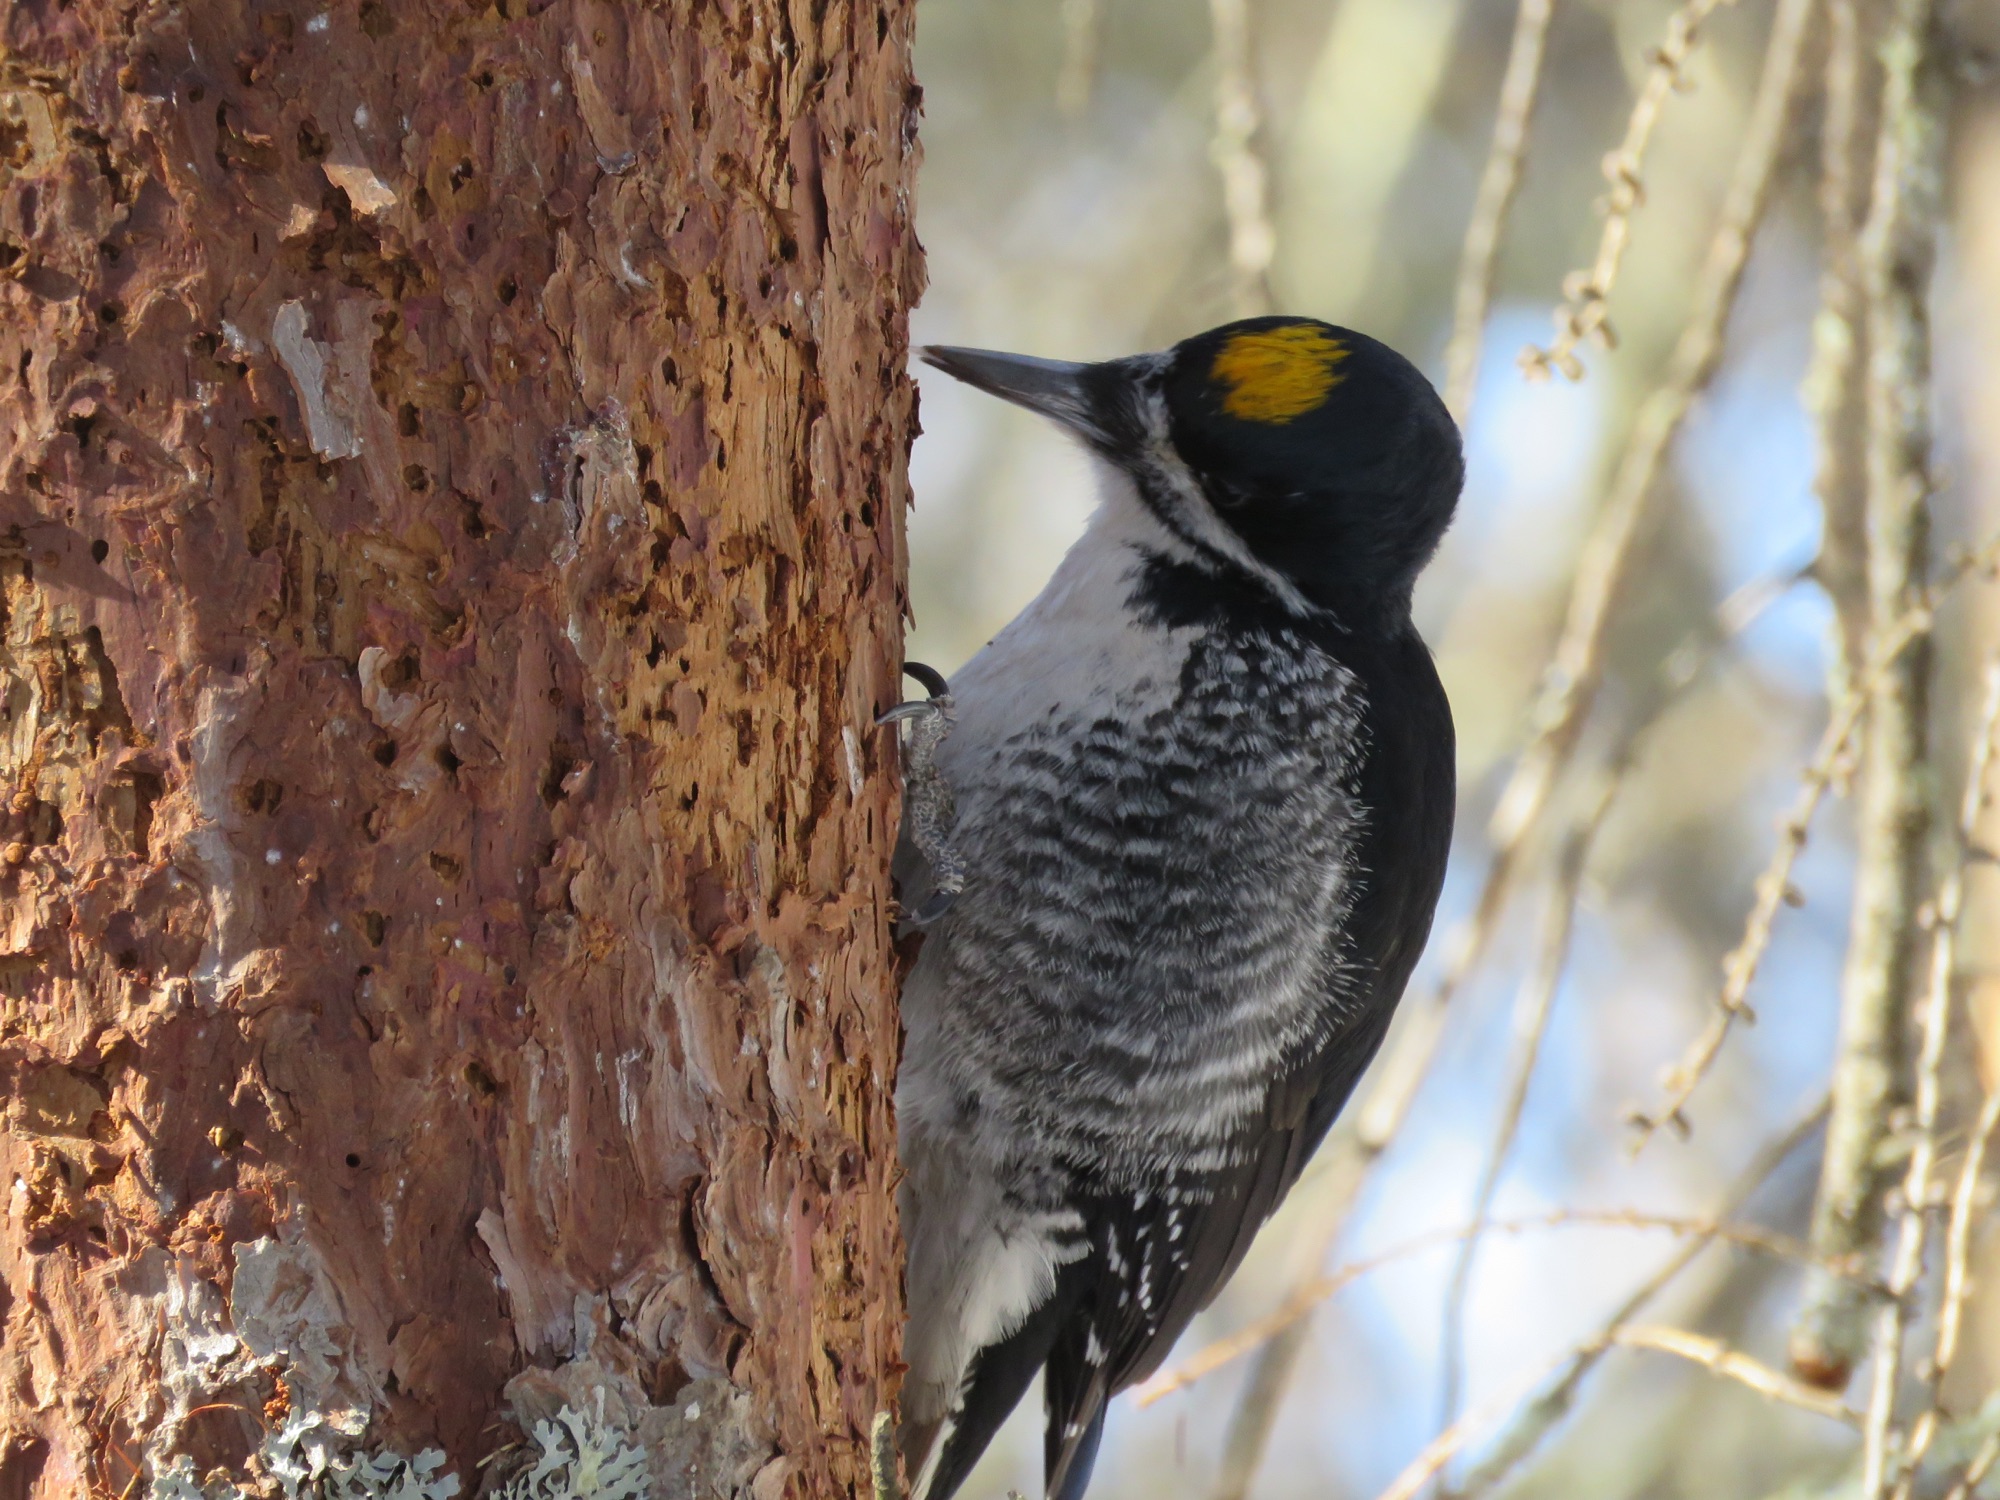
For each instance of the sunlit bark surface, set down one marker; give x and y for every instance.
(451, 470)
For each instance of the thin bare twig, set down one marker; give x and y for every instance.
(1569, 689)
(1498, 184)
(1892, 808)
(1531, 1019)
(1913, 1215)
(1957, 1287)
(1976, 1471)
(1719, 1359)
(1740, 967)
(1257, 1409)
(1576, 672)
(1541, 1416)
(1711, 1355)
(1586, 292)
(1701, 1232)
(1442, 1449)
(1082, 22)
(1253, 241)
(1831, 391)
(1742, 608)
(1966, 1449)
(1958, 1238)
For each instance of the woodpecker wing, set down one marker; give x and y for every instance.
(1157, 1259)
(1160, 1260)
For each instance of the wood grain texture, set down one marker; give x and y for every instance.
(452, 464)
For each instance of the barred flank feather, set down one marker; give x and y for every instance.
(1183, 930)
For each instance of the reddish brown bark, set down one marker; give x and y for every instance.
(450, 523)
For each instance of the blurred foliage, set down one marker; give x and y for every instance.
(1084, 222)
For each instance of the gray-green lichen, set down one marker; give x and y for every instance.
(582, 1458)
(593, 1433)
(592, 1423)
(303, 1460)
(283, 1317)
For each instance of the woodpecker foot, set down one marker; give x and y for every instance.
(929, 809)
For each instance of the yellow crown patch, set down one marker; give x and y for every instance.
(1278, 374)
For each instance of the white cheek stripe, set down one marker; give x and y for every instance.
(1192, 510)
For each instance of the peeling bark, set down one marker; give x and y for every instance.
(450, 563)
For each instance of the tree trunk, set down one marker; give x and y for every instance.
(450, 524)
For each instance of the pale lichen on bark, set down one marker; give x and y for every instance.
(451, 485)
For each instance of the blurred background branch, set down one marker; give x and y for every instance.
(1531, 1022)
(1887, 651)
(1871, 1081)
(1641, 692)
(1245, 182)
(1916, 1208)
(1479, 261)
(1832, 388)
(1540, 1417)
(1081, 22)
(1585, 310)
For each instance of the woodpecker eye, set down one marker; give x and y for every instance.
(1226, 495)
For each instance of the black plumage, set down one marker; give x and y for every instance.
(1205, 791)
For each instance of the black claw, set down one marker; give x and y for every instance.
(931, 679)
(929, 809)
(939, 903)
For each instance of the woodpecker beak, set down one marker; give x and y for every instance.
(1050, 386)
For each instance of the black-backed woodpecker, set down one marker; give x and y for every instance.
(1203, 793)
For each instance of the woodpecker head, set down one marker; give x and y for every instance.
(1311, 457)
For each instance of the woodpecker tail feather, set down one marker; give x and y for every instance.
(1075, 1391)
(942, 1456)
(1072, 1454)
